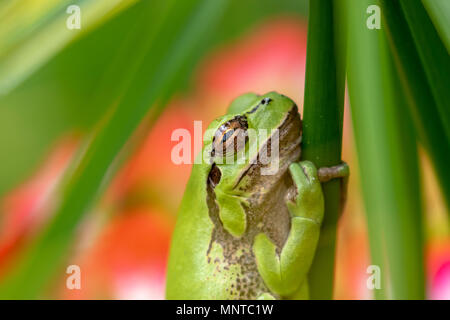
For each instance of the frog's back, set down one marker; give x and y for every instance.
(191, 272)
(189, 241)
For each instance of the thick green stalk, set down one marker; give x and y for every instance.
(322, 132)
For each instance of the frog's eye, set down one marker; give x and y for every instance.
(263, 102)
(230, 137)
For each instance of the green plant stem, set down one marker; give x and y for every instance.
(322, 132)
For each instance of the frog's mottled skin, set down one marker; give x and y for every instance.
(248, 236)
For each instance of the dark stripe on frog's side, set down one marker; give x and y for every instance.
(264, 102)
(290, 125)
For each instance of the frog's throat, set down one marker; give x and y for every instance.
(290, 137)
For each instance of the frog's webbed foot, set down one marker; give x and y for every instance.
(266, 296)
(308, 203)
(302, 293)
(341, 171)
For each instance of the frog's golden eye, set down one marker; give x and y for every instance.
(230, 137)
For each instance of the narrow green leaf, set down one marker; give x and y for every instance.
(434, 56)
(439, 11)
(174, 45)
(420, 94)
(322, 132)
(388, 160)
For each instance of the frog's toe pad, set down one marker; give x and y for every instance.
(304, 173)
(328, 173)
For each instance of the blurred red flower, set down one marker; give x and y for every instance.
(438, 269)
(27, 207)
(128, 258)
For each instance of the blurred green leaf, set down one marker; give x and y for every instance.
(31, 32)
(422, 95)
(242, 15)
(433, 55)
(157, 66)
(439, 11)
(57, 98)
(387, 157)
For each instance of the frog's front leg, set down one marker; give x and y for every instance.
(285, 273)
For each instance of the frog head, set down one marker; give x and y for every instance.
(249, 150)
(253, 144)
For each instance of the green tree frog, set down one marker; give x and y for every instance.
(243, 231)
